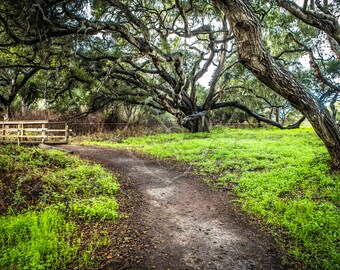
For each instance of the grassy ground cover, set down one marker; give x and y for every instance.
(45, 197)
(279, 176)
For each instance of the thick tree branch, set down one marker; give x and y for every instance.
(325, 22)
(314, 65)
(237, 104)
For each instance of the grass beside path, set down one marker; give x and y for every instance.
(46, 198)
(280, 176)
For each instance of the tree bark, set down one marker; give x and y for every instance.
(254, 56)
(258, 117)
(277, 115)
(198, 122)
(7, 112)
(24, 110)
(197, 125)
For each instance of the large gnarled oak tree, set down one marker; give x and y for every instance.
(253, 55)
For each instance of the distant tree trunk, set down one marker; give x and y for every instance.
(197, 122)
(24, 110)
(8, 115)
(271, 113)
(254, 56)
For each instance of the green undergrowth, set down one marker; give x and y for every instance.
(280, 176)
(45, 198)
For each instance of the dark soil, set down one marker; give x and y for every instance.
(175, 221)
(29, 190)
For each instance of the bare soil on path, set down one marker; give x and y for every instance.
(175, 221)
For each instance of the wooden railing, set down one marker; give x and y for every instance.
(34, 132)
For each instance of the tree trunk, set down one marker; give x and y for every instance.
(7, 112)
(197, 123)
(271, 114)
(254, 56)
(24, 110)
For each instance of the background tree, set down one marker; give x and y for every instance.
(161, 63)
(144, 41)
(158, 52)
(17, 67)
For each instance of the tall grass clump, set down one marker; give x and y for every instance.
(37, 240)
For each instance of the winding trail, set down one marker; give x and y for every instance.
(183, 223)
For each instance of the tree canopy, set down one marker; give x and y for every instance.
(266, 58)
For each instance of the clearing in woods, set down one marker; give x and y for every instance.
(175, 221)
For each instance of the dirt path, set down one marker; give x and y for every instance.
(182, 224)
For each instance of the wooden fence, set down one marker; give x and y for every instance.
(34, 132)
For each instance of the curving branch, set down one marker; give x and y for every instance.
(317, 71)
(258, 117)
(321, 19)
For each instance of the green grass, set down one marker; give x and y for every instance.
(279, 176)
(45, 197)
(37, 240)
(103, 208)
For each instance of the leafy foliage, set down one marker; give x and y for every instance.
(101, 207)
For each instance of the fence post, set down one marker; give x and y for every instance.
(66, 133)
(3, 132)
(18, 133)
(43, 133)
(23, 132)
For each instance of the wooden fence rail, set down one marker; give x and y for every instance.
(34, 132)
